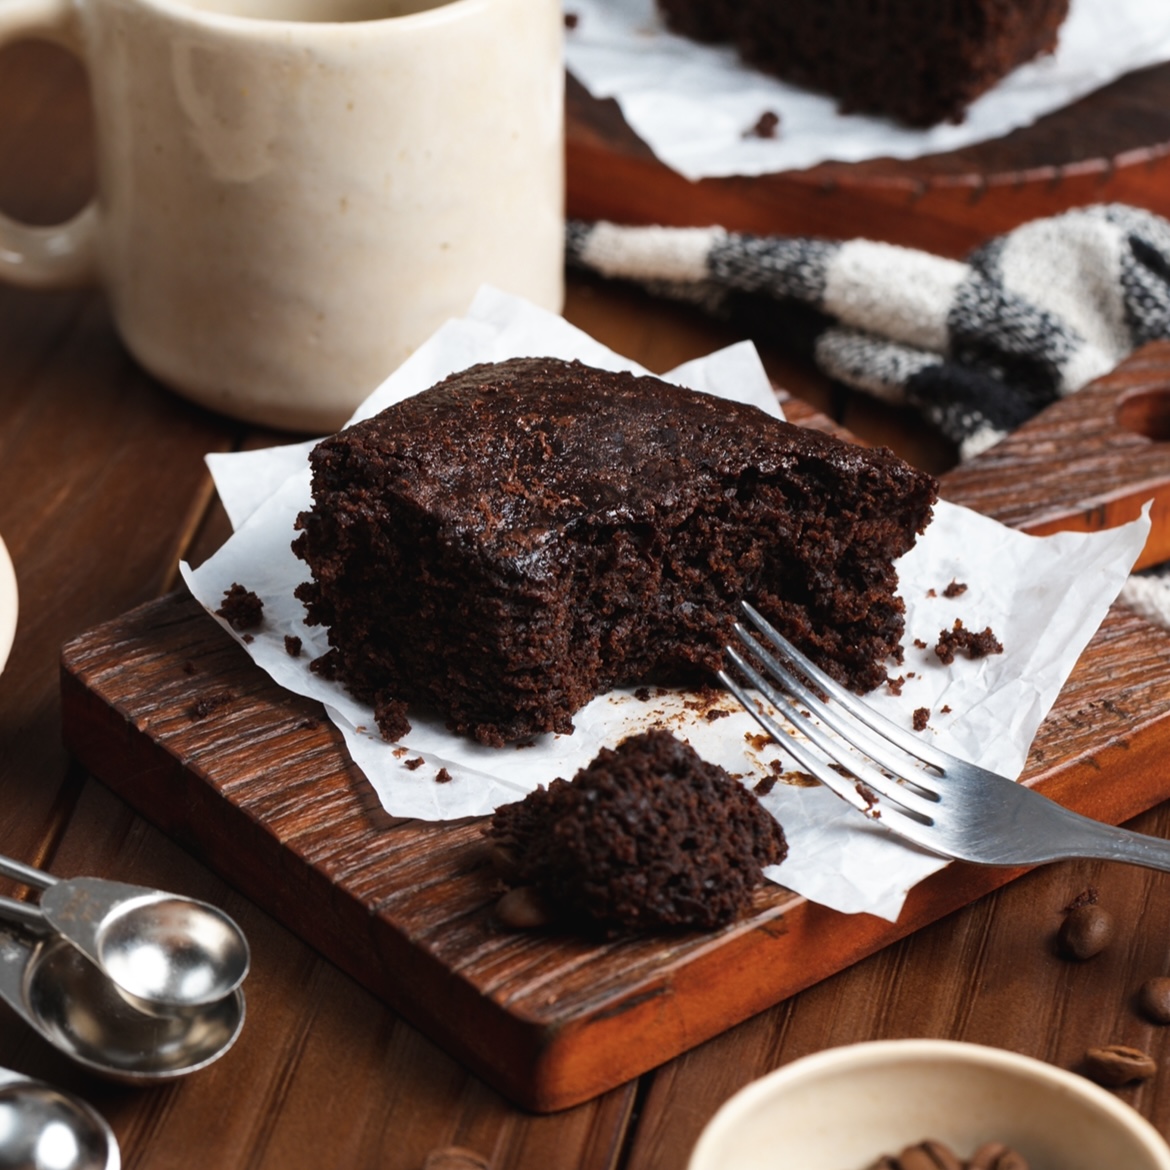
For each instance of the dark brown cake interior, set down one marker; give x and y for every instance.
(529, 534)
(920, 61)
(646, 837)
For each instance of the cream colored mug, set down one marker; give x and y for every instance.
(294, 194)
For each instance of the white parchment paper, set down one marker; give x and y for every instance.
(1043, 597)
(692, 103)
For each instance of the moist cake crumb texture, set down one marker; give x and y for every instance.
(526, 535)
(648, 836)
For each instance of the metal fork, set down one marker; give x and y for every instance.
(939, 802)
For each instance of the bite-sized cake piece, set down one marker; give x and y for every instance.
(529, 534)
(646, 837)
(920, 61)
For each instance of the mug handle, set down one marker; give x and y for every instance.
(62, 255)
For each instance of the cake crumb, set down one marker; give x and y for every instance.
(241, 609)
(955, 589)
(920, 643)
(1087, 897)
(764, 786)
(894, 685)
(648, 836)
(766, 126)
(642, 694)
(390, 716)
(921, 718)
(206, 704)
(945, 709)
(292, 645)
(716, 713)
(442, 776)
(414, 764)
(959, 638)
(572, 20)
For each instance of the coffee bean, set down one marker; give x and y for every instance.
(1115, 1064)
(1154, 999)
(928, 1155)
(523, 909)
(1085, 932)
(997, 1156)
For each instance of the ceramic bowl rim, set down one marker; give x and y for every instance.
(873, 1053)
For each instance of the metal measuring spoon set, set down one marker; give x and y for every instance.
(135, 984)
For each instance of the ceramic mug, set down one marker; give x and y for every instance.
(294, 194)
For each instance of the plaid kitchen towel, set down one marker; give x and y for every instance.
(976, 346)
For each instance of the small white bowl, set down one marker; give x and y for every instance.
(843, 1108)
(7, 604)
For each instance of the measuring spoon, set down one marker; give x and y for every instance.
(165, 951)
(55, 989)
(45, 1127)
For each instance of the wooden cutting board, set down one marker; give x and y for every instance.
(1112, 146)
(173, 716)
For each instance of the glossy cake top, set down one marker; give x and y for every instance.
(511, 452)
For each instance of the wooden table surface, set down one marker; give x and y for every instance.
(103, 489)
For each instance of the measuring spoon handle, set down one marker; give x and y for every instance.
(37, 878)
(24, 913)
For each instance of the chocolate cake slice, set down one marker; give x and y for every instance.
(919, 61)
(648, 836)
(529, 534)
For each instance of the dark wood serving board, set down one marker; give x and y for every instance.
(166, 709)
(1111, 146)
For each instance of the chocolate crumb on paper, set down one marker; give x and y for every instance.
(414, 764)
(955, 589)
(241, 609)
(767, 125)
(442, 776)
(292, 645)
(921, 718)
(959, 639)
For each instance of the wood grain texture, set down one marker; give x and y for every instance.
(261, 788)
(1113, 145)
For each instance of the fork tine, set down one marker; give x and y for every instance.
(853, 732)
(837, 749)
(841, 785)
(888, 814)
(910, 744)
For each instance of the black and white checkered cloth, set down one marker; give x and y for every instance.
(976, 346)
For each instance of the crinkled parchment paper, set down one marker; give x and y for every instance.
(1043, 597)
(692, 103)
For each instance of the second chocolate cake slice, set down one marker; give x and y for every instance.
(529, 534)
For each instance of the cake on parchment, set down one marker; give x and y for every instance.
(529, 534)
(918, 61)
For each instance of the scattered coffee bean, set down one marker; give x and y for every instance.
(1114, 1065)
(1154, 999)
(1085, 932)
(523, 909)
(926, 1155)
(997, 1156)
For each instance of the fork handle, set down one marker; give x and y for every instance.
(1097, 840)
